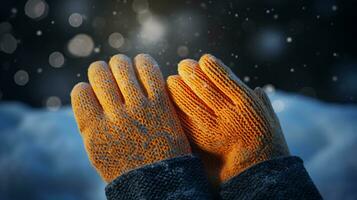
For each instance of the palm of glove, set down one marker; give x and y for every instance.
(230, 125)
(122, 128)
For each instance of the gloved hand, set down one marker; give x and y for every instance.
(127, 121)
(230, 125)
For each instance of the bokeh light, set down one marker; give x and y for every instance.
(75, 19)
(152, 30)
(36, 9)
(53, 103)
(56, 59)
(81, 45)
(21, 77)
(182, 51)
(269, 44)
(8, 43)
(116, 40)
(269, 88)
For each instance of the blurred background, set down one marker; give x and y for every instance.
(302, 46)
(302, 52)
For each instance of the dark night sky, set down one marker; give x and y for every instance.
(301, 46)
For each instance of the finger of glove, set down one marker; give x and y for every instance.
(200, 84)
(187, 101)
(279, 136)
(104, 86)
(125, 77)
(265, 100)
(150, 77)
(225, 79)
(85, 105)
(196, 135)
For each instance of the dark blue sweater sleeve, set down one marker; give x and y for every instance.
(280, 178)
(177, 178)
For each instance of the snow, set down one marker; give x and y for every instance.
(42, 154)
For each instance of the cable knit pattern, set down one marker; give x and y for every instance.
(230, 125)
(178, 178)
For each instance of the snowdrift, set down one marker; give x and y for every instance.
(42, 155)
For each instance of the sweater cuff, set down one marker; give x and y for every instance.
(280, 178)
(176, 178)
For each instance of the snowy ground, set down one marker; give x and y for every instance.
(42, 156)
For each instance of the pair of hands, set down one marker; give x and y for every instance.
(127, 119)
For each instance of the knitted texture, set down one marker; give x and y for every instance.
(280, 178)
(178, 178)
(125, 116)
(230, 125)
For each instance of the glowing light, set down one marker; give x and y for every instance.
(8, 43)
(116, 40)
(269, 88)
(21, 77)
(152, 31)
(97, 49)
(246, 79)
(56, 59)
(269, 44)
(334, 7)
(182, 51)
(53, 103)
(14, 10)
(75, 20)
(36, 9)
(81, 45)
(144, 16)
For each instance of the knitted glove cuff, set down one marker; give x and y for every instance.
(279, 178)
(177, 178)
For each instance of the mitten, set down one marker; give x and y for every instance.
(125, 116)
(231, 126)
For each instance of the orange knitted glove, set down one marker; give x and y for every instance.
(127, 122)
(231, 126)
